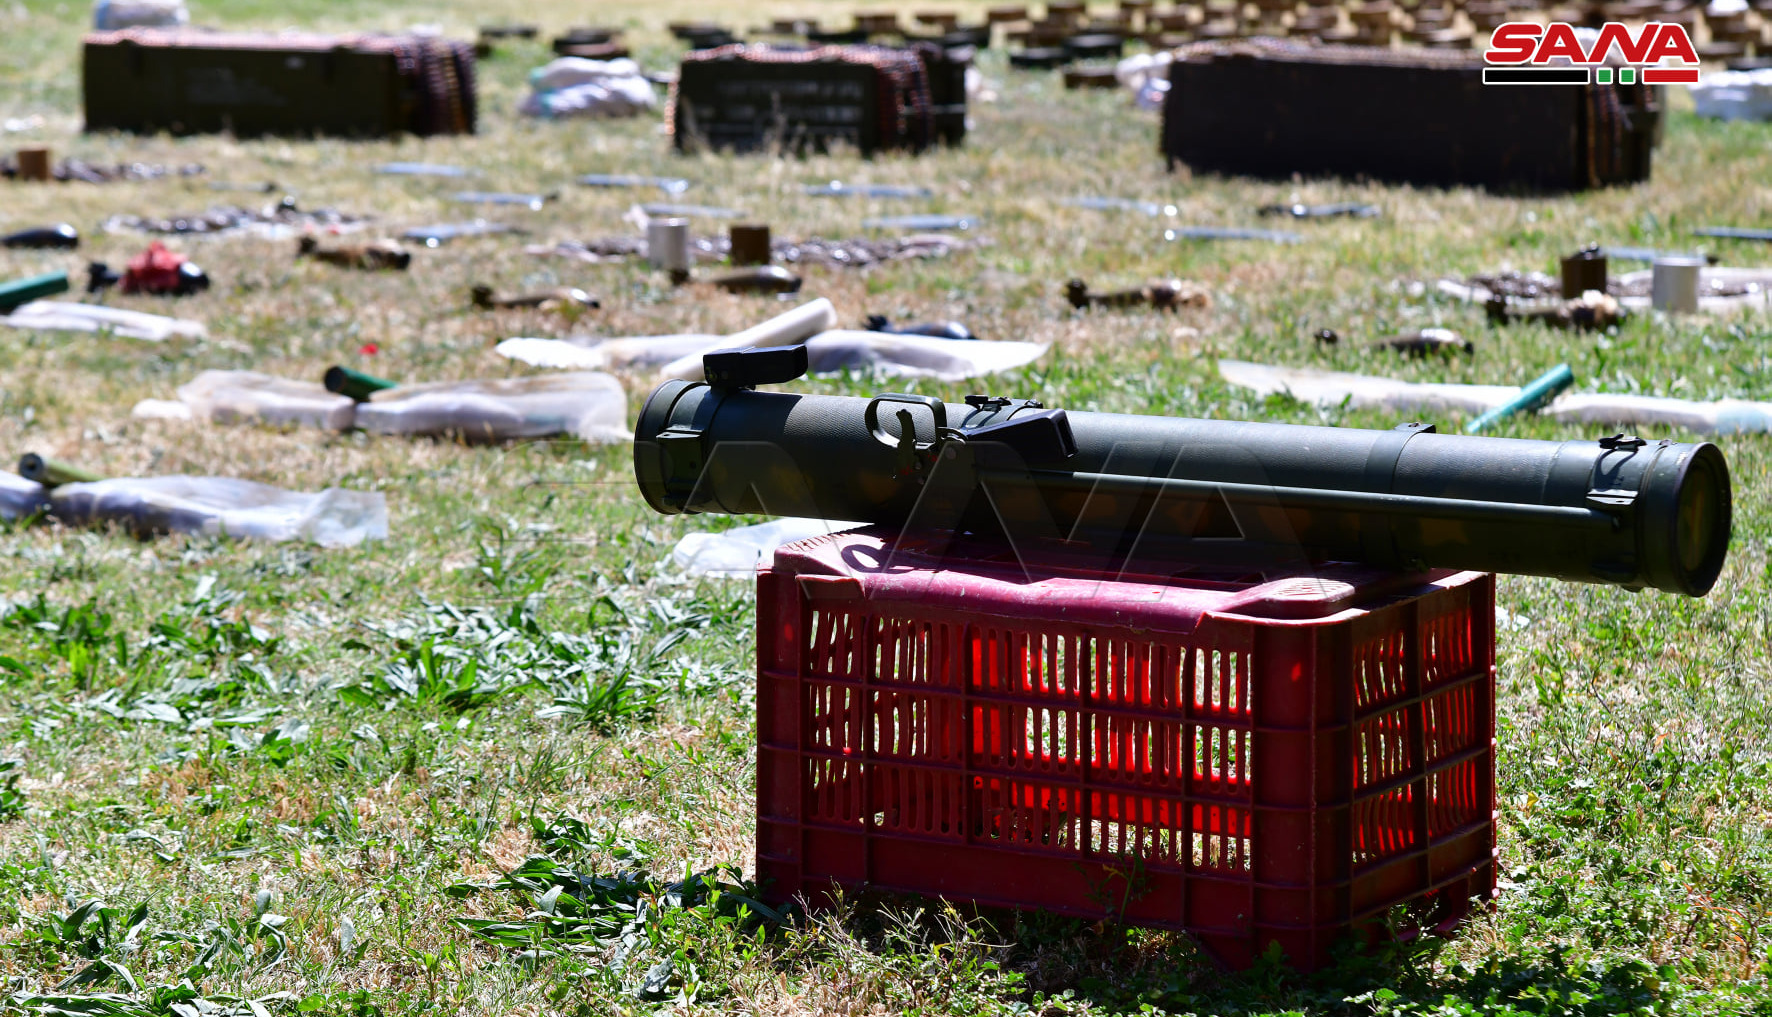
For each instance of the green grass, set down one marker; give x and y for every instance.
(355, 782)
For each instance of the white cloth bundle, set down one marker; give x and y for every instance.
(577, 87)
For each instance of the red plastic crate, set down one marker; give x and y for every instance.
(1250, 761)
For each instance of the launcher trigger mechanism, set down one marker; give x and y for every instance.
(914, 456)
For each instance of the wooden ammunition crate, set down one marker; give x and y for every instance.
(193, 82)
(748, 98)
(1268, 108)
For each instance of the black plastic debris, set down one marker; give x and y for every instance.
(1427, 340)
(758, 279)
(61, 237)
(1039, 58)
(934, 329)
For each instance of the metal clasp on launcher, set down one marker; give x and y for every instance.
(1615, 501)
(914, 456)
(1039, 437)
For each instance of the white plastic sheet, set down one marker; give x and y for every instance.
(232, 397)
(632, 352)
(20, 497)
(588, 404)
(225, 506)
(54, 315)
(736, 553)
(897, 356)
(161, 409)
(894, 356)
(1723, 416)
(1735, 95)
(611, 354)
(577, 87)
(829, 350)
(1330, 388)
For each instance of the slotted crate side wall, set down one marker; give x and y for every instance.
(1377, 116)
(145, 80)
(746, 106)
(1055, 767)
(747, 99)
(1403, 749)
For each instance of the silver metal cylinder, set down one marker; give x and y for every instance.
(1674, 286)
(667, 244)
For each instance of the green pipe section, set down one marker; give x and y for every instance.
(52, 472)
(355, 384)
(1542, 390)
(22, 291)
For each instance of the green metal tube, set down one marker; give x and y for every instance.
(52, 472)
(1542, 390)
(355, 384)
(22, 291)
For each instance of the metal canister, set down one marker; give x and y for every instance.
(33, 164)
(750, 244)
(1582, 271)
(667, 244)
(1674, 285)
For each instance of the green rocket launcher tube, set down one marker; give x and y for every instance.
(1139, 489)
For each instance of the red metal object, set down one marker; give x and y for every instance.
(1250, 761)
(155, 270)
